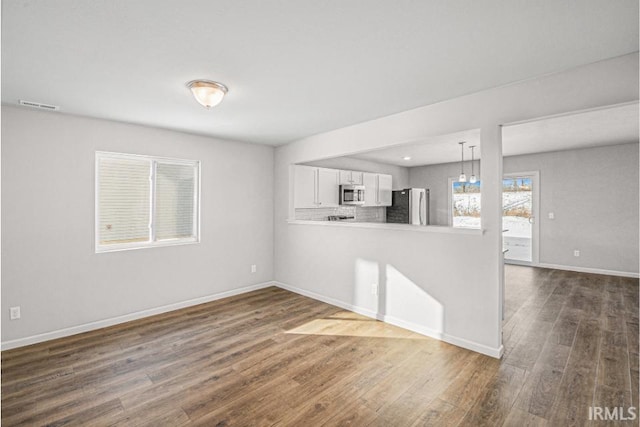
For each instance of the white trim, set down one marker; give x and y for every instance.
(451, 339)
(450, 203)
(570, 113)
(522, 263)
(457, 341)
(535, 230)
(152, 242)
(590, 270)
(86, 327)
(392, 226)
(326, 299)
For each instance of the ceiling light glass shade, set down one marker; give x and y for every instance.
(473, 179)
(207, 93)
(462, 178)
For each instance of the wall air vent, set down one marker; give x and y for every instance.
(39, 105)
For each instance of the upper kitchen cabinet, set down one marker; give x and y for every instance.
(315, 187)
(350, 177)
(304, 180)
(385, 183)
(377, 189)
(328, 190)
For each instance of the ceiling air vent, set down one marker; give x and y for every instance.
(39, 105)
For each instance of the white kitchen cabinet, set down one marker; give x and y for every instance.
(304, 180)
(350, 177)
(385, 186)
(315, 187)
(377, 189)
(370, 181)
(328, 192)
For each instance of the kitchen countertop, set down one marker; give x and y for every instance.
(390, 226)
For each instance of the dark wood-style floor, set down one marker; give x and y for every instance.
(272, 357)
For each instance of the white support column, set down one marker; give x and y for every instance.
(491, 181)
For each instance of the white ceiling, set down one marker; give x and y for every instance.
(432, 151)
(294, 68)
(605, 126)
(617, 124)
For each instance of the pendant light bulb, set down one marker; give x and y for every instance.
(462, 177)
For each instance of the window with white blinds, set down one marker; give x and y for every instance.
(144, 201)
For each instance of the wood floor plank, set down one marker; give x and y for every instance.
(463, 391)
(613, 364)
(496, 400)
(440, 413)
(437, 376)
(579, 380)
(520, 418)
(527, 350)
(543, 383)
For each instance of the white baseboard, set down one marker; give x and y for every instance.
(451, 339)
(328, 300)
(86, 327)
(588, 270)
(423, 330)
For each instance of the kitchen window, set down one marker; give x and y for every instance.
(145, 201)
(464, 204)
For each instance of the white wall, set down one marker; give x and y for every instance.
(400, 174)
(434, 281)
(50, 268)
(593, 193)
(436, 179)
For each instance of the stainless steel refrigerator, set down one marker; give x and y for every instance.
(409, 206)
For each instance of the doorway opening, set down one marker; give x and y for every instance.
(519, 217)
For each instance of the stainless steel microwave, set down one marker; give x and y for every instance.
(352, 194)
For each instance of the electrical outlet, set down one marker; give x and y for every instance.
(14, 313)
(254, 268)
(374, 289)
(552, 215)
(576, 253)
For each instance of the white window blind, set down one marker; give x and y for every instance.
(144, 201)
(174, 201)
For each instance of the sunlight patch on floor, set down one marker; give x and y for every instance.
(353, 325)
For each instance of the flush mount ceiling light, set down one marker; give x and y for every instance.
(473, 178)
(462, 177)
(207, 93)
(406, 158)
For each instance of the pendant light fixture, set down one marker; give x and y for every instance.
(462, 177)
(208, 93)
(472, 179)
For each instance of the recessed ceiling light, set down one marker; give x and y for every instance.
(207, 93)
(406, 158)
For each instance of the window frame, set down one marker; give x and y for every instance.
(453, 180)
(152, 242)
